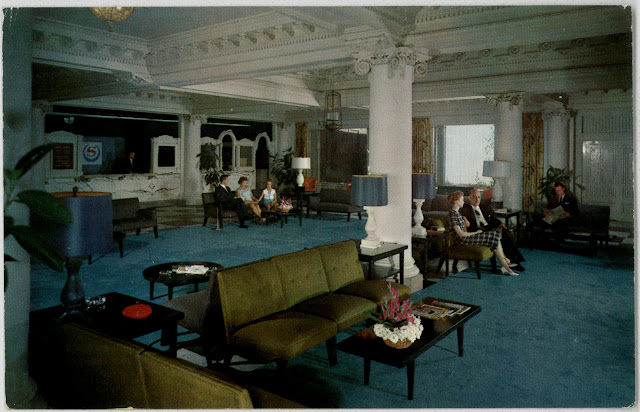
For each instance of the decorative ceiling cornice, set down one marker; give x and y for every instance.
(430, 14)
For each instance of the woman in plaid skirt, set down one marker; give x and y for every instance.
(490, 239)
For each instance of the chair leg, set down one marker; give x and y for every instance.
(137, 231)
(360, 215)
(332, 351)
(454, 267)
(205, 221)
(155, 231)
(477, 264)
(348, 217)
(494, 266)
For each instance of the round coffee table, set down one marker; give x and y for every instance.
(166, 274)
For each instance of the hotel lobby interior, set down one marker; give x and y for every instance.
(364, 90)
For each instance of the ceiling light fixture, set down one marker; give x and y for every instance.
(111, 14)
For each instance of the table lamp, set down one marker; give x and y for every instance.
(300, 163)
(497, 170)
(423, 187)
(370, 192)
(90, 233)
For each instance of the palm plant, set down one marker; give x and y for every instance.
(209, 163)
(555, 174)
(39, 203)
(282, 171)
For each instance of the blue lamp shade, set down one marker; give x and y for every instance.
(423, 186)
(91, 231)
(369, 190)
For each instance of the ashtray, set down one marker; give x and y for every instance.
(137, 311)
(96, 302)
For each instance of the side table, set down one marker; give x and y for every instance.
(507, 217)
(430, 236)
(370, 256)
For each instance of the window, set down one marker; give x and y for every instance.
(465, 149)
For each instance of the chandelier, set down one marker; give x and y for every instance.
(111, 14)
(333, 111)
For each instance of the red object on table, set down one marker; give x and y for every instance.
(137, 311)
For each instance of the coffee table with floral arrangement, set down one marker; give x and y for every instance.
(409, 330)
(285, 209)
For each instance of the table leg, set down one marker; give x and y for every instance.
(169, 337)
(402, 267)
(411, 369)
(282, 221)
(151, 283)
(170, 292)
(196, 287)
(460, 340)
(371, 269)
(367, 370)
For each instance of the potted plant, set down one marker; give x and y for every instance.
(397, 325)
(282, 171)
(554, 174)
(209, 163)
(39, 203)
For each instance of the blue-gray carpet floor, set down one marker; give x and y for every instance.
(559, 335)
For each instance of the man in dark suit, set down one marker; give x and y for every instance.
(228, 200)
(482, 216)
(569, 204)
(130, 163)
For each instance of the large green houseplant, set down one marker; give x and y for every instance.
(210, 164)
(282, 171)
(555, 174)
(39, 203)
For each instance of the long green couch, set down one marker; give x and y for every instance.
(96, 371)
(277, 308)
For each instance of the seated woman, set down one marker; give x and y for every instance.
(490, 239)
(244, 192)
(268, 198)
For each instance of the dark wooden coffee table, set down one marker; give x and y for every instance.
(370, 347)
(110, 320)
(164, 273)
(282, 215)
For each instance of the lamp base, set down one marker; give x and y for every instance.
(418, 217)
(300, 178)
(372, 241)
(72, 296)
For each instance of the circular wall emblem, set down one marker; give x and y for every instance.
(91, 153)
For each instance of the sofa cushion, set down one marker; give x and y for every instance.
(344, 310)
(476, 253)
(104, 372)
(283, 335)
(341, 264)
(302, 275)
(375, 290)
(335, 196)
(249, 292)
(177, 384)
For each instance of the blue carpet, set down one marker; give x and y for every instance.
(559, 335)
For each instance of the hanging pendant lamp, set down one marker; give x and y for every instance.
(333, 111)
(111, 14)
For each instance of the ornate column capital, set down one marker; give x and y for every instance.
(547, 114)
(397, 58)
(193, 119)
(515, 99)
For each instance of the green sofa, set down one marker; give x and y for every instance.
(96, 371)
(277, 308)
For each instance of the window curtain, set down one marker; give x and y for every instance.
(302, 137)
(532, 158)
(421, 145)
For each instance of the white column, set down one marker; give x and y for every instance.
(20, 389)
(390, 82)
(286, 136)
(192, 180)
(508, 145)
(556, 144)
(38, 112)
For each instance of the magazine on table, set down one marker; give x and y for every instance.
(437, 309)
(555, 214)
(191, 270)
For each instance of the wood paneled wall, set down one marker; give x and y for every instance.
(422, 144)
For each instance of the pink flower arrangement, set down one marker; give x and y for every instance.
(397, 321)
(394, 313)
(285, 204)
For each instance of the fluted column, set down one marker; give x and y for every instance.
(390, 74)
(508, 144)
(192, 180)
(556, 139)
(38, 111)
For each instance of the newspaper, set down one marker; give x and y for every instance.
(554, 215)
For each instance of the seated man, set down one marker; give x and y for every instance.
(569, 204)
(228, 200)
(483, 217)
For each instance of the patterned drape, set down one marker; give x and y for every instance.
(421, 145)
(302, 136)
(532, 158)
